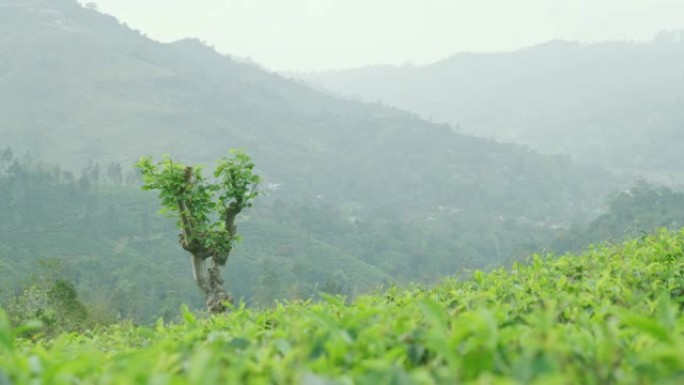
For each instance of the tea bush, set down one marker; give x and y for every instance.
(610, 316)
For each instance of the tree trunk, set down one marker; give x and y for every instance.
(206, 263)
(208, 278)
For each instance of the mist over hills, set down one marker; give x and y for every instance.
(99, 91)
(619, 104)
(364, 190)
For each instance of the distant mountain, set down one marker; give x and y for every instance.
(620, 104)
(77, 86)
(353, 194)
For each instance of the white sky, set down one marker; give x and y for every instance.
(300, 35)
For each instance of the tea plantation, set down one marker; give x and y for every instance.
(610, 316)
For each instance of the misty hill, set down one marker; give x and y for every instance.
(633, 213)
(353, 193)
(78, 86)
(620, 104)
(122, 256)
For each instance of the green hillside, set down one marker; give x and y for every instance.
(122, 255)
(101, 92)
(616, 103)
(354, 196)
(381, 247)
(609, 316)
(631, 213)
(124, 260)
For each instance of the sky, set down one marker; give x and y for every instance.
(315, 35)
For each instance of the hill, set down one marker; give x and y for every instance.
(123, 257)
(395, 198)
(618, 104)
(101, 92)
(631, 213)
(612, 315)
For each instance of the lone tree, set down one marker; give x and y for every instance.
(206, 211)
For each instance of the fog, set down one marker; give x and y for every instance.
(300, 35)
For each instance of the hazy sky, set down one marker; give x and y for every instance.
(326, 34)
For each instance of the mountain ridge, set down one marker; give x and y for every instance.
(616, 103)
(102, 92)
(367, 189)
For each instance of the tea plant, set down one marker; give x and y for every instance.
(610, 316)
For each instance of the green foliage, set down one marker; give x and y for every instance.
(51, 300)
(631, 213)
(6, 335)
(613, 315)
(236, 175)
(203, 207)
(123, 258)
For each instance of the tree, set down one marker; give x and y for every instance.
(114, 173)
(206, 211)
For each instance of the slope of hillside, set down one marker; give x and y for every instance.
(121, 254)
(609, 316)
(618, 103)
(101, 92)
(79, 89)
(631, 213)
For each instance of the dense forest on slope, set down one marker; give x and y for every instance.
(105, 237)
(354, 195)
(619, 104)
(123, 257)
(609, 316)
(629, 214)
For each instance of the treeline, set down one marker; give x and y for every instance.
(122, 258)
(100, 242)
(86, 237)
(629, 214)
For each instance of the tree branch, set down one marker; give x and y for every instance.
(232, 212)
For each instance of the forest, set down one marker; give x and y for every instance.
(171, 213)
(290, 250)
